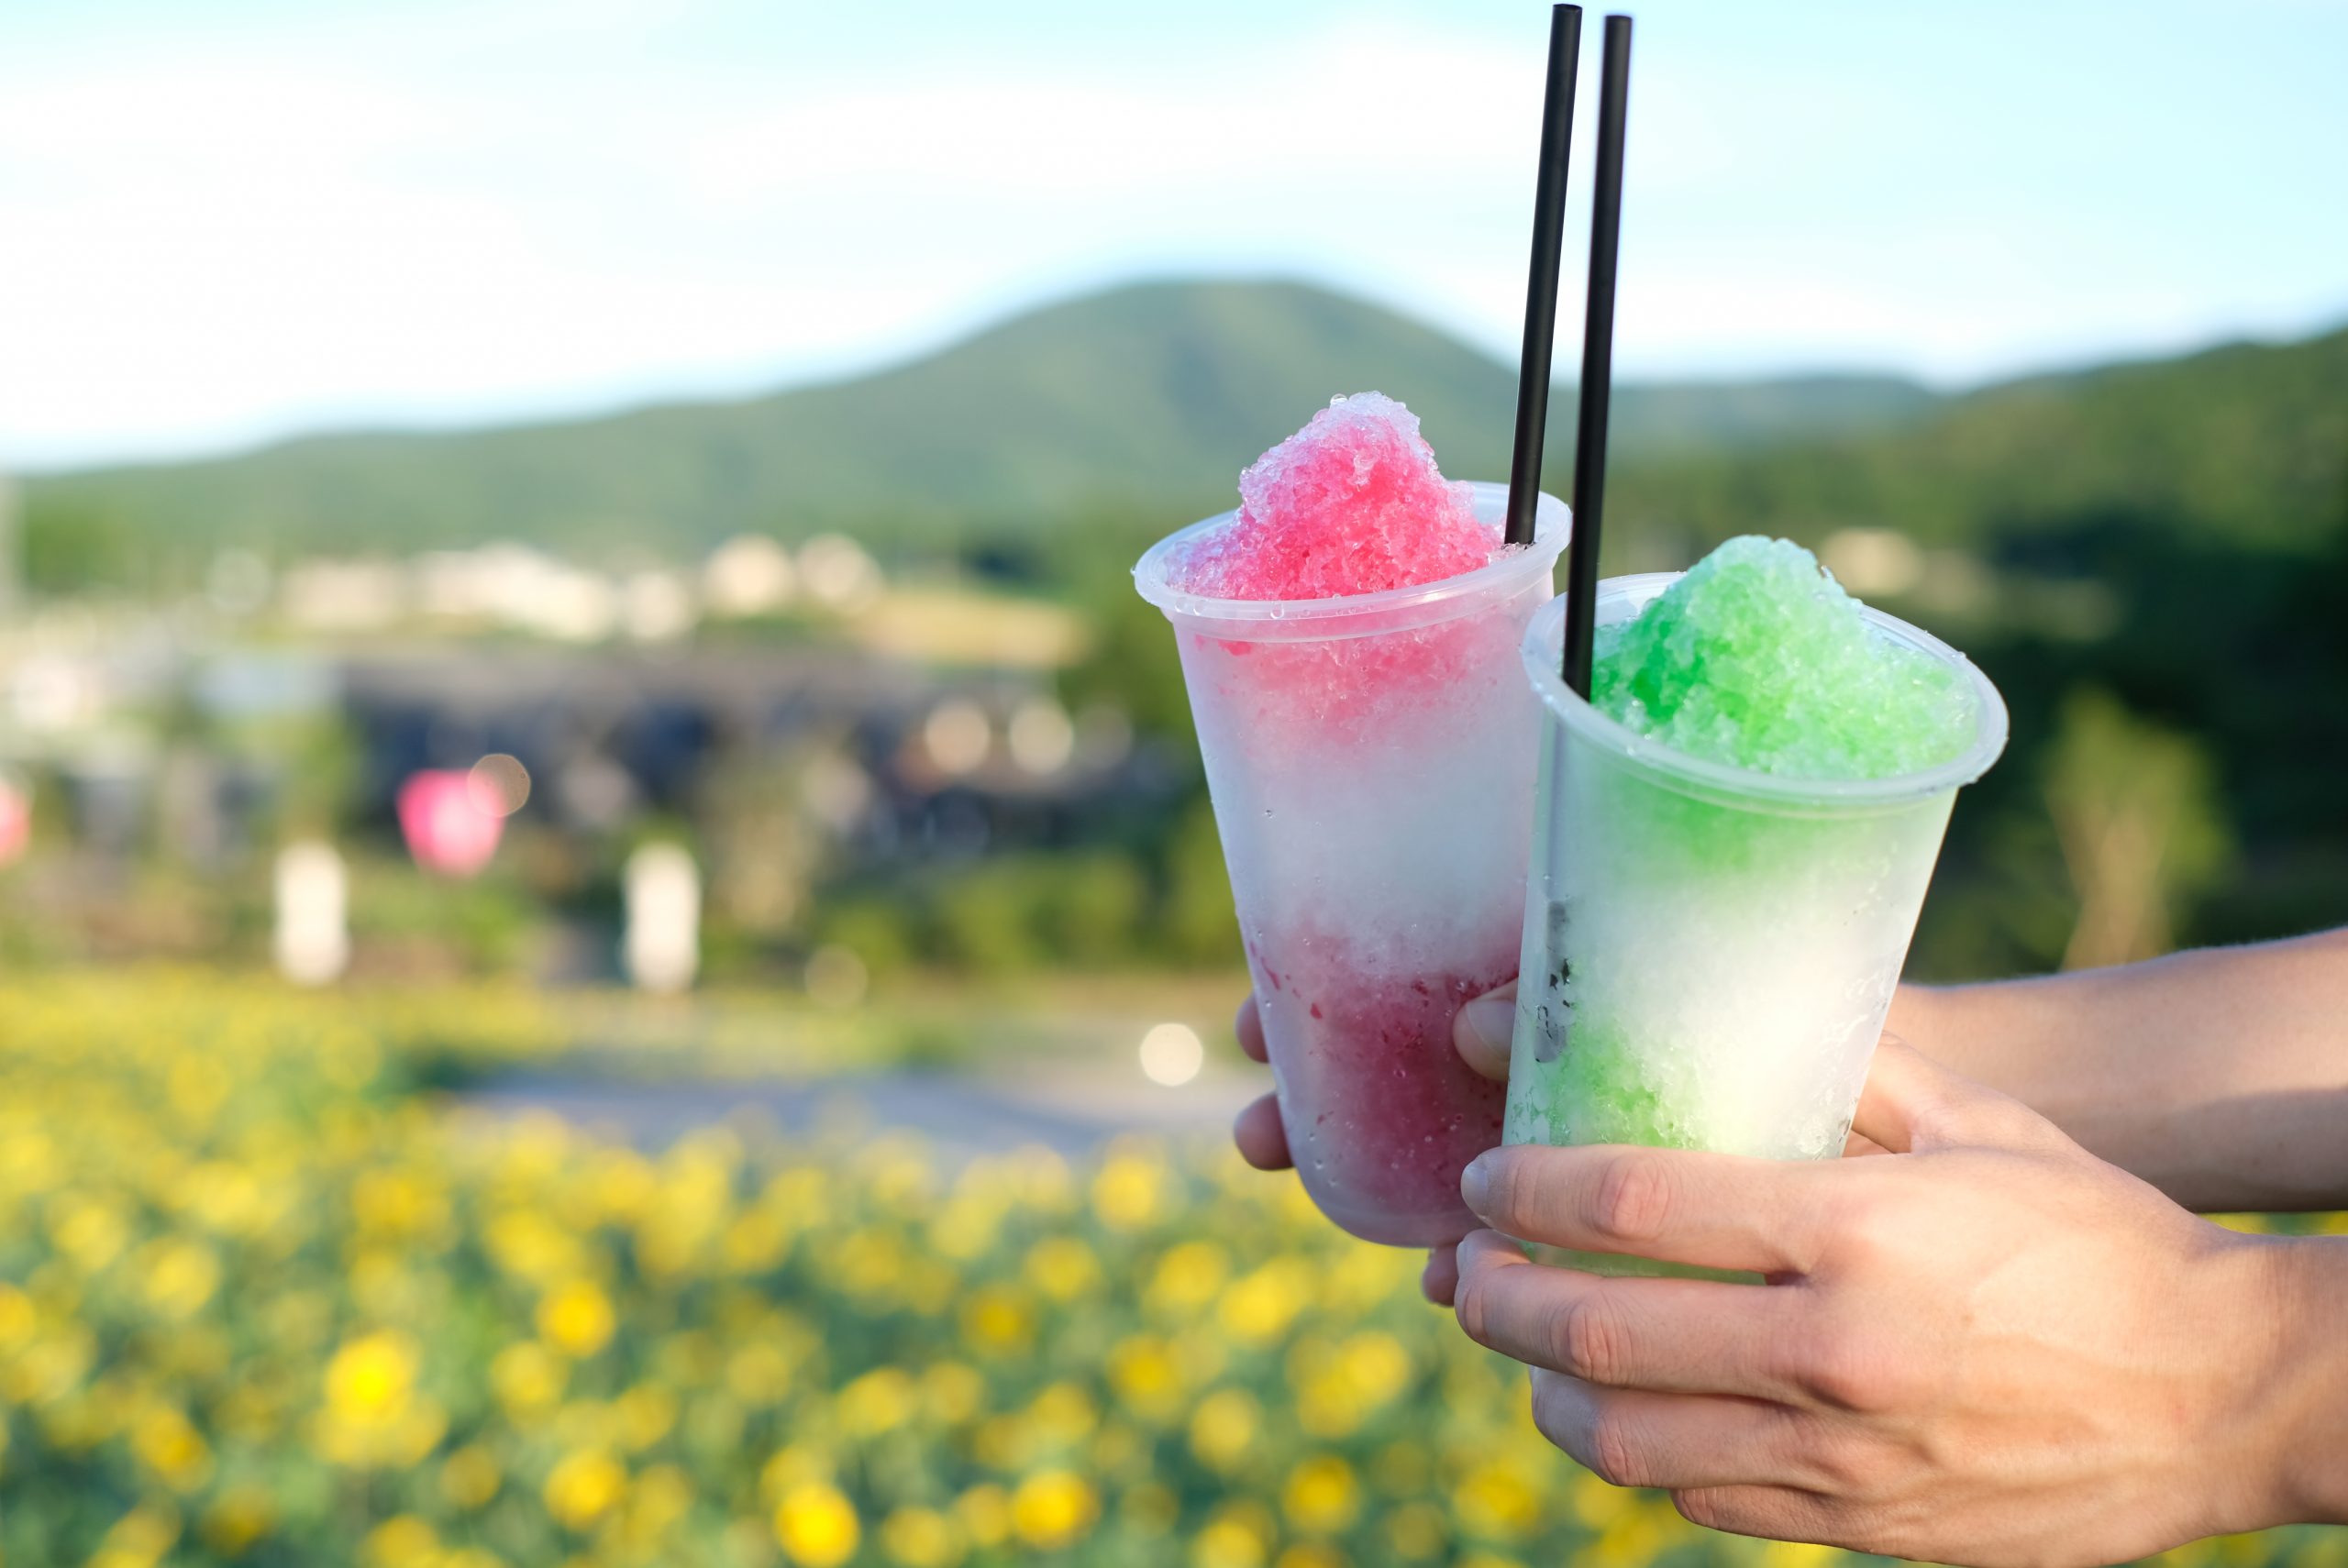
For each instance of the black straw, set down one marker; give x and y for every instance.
(1541, 282)
(1597, 356)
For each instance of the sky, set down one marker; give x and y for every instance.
(227, 220)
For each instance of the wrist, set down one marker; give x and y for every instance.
(1919, 1017)
(2308, 1380)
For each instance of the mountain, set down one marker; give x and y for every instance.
(1151, 397)
(2245, 444)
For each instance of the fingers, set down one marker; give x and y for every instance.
(1263, 1142)
(1631, 1438)
(1774, 1513)
(1440, 1281)
(1687, 1336)
(1912, 1104)
(1249, 1027)
(1671, 1205)
(1481, 1032)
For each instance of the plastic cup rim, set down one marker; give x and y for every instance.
(1553, 526)
(1989, 721)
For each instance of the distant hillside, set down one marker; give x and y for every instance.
(2247, 444)
(1150, 396)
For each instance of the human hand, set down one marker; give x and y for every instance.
(1480, 1032)
(1987, 1347)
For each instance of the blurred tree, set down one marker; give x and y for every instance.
(879, 930)
(1198, 922)
(2135, 810)
(986, 917)
(73, 545)
(1093, 916)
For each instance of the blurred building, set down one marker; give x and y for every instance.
(885, 759)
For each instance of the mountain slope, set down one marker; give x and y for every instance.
(2247, 443)
(1151, 396)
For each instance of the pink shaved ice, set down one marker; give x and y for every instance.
(1351, 503)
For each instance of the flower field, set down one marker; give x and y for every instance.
(264, 1299)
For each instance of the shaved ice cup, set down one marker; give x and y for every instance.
(1372, 758)
(1709, 952)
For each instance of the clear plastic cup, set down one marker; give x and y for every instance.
(1708, 953)
(1371, 760)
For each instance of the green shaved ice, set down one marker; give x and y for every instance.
(1757, 658)
(1598, 1094)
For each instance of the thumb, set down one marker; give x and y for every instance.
(1481, 1032)
(1912, 1105)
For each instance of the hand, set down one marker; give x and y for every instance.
(1984, 1347)
(1479, 1032)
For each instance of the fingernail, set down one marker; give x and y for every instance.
(1491, 1019)
(1475, 1184)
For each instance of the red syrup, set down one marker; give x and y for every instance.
(1381, 1113)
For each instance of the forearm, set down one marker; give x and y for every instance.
(2311, 1428)
(2221, 1075)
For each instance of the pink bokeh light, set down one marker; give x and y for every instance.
(447, 826)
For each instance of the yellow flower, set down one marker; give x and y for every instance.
(576, 1319)
(401, 1542)
(1414, 1531)
(17, 1319)
(397, 1204)
(1235, 1538)
(643, 1415)
(1053, 1509)
(239, 1517)
(985, 1513)
(1322, 1496)
(922, 1538)
(1187, 1277)
(170, 1448)
(1062, 1267)
(1129, 1191)
(470, 1557)
(816, 1527)
(179, 1277)
(869, 1265)
(469, 1478)
(952, 1392)
(585, 1486)
(996, 1320)
(793, 1466)
(1062, 1415)
(1147, 1377)
(1497, 1498)
(759, 1373)
(369, 1380)
(526, 1379)
(756, 1241)
(1310, 1554)
(1378, 1364)
(1222, 1428)
(530, 1246)
(660, 1497)
(89, 1229)
(1795, 1554)
(139, 1538)
(876, 1402)
(1257, 1307)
